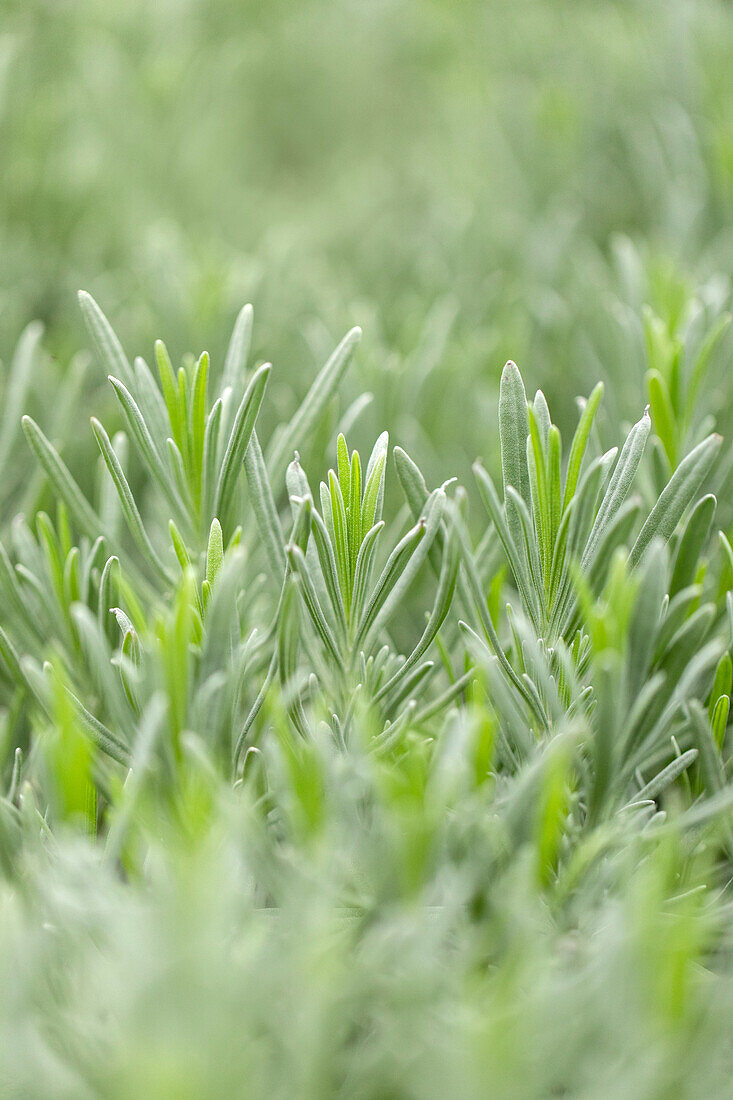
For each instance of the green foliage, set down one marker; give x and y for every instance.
(332, 768)
(216, 646)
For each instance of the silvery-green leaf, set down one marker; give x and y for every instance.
(300, 425)
(677, 495)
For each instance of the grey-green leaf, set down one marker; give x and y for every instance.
(676, 496)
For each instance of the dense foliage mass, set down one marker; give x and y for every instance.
(378, 770)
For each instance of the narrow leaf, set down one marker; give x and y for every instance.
(676, 496)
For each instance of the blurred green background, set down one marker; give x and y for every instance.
(468, 181)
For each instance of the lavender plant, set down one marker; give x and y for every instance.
(200, 658)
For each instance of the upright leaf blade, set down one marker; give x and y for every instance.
(324, 386)
(244, 423)
(676, 496)
(514, 430)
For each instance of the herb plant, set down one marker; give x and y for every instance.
(203, 648)
(365, 704)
